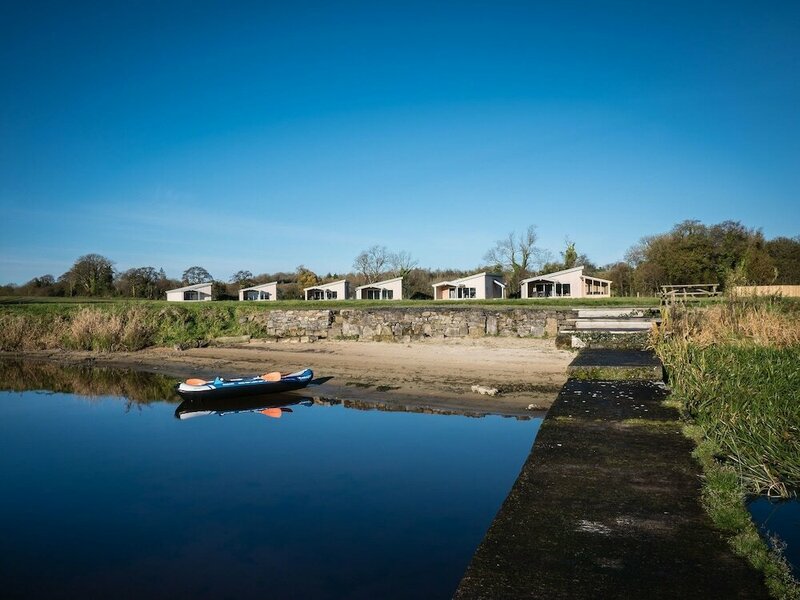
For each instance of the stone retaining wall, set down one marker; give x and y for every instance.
(406, 324)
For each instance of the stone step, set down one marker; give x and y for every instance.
(613, 313)
(616, 324)
(635, 339)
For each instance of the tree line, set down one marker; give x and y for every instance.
(726, 253)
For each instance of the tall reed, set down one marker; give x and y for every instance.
(735, 367)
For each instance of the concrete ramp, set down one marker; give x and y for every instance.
(608, 506)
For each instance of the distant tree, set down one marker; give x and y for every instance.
(570, 255)
(372, 263)
(551, 267)
(220, 291)
(242, 278)
(785, 253)
(45, 280)
(692, 252)
(140, 282)
(305, 278)
(758, 266)
(194, 275)
(517, 255)
(44, 285)
(621, 276)
(91, 275)
(402, 263)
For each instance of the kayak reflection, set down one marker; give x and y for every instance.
(272, 405)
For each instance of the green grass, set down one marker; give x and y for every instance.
(33, 301)
(745, 400)
(740, 402)
(724, 500)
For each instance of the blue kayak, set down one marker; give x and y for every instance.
(269, 383)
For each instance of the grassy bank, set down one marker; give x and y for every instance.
(44, 302)
(111, 326)
(114, 327)
(735, 373)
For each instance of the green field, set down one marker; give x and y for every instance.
(32, 301)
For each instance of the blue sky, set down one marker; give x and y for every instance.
(262, 136)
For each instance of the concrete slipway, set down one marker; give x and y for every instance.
(608, 503)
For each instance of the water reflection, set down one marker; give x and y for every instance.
(86, 380)
(340, 503)
(273, 406)
(779, 523)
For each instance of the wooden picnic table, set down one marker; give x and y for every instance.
(687, 292)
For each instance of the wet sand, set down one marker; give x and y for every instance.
(435, 376)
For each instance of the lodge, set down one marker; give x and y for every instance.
(390, 289)
(480, 286)
(569, 283)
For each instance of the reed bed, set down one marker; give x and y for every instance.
(116, 327)
(735, 368)
(745, 400)
(735, 372)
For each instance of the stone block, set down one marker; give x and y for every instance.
(491, 325)
(551, 326)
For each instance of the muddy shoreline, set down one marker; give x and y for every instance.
(434, 377)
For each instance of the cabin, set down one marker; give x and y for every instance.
(191, 293)
(569, 283)
(390, 289)
(335, 290)
(480, 286)
(265, 291)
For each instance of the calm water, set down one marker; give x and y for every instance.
(105, 497)
(781, 519)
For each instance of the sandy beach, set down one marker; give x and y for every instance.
(434, 376)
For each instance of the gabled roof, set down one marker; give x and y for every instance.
(259, 286)
(461, 280)
(325, 285)
(188, 288)
(379, 283)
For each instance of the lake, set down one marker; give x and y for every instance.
(107, 493)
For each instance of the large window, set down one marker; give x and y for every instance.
(377, 294)
(317, 295)
(562, 289)
(191, 295)
(332, 294)
(462, 293)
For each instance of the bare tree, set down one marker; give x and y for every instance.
(402, 263)
(517, 255)
(372, 262)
